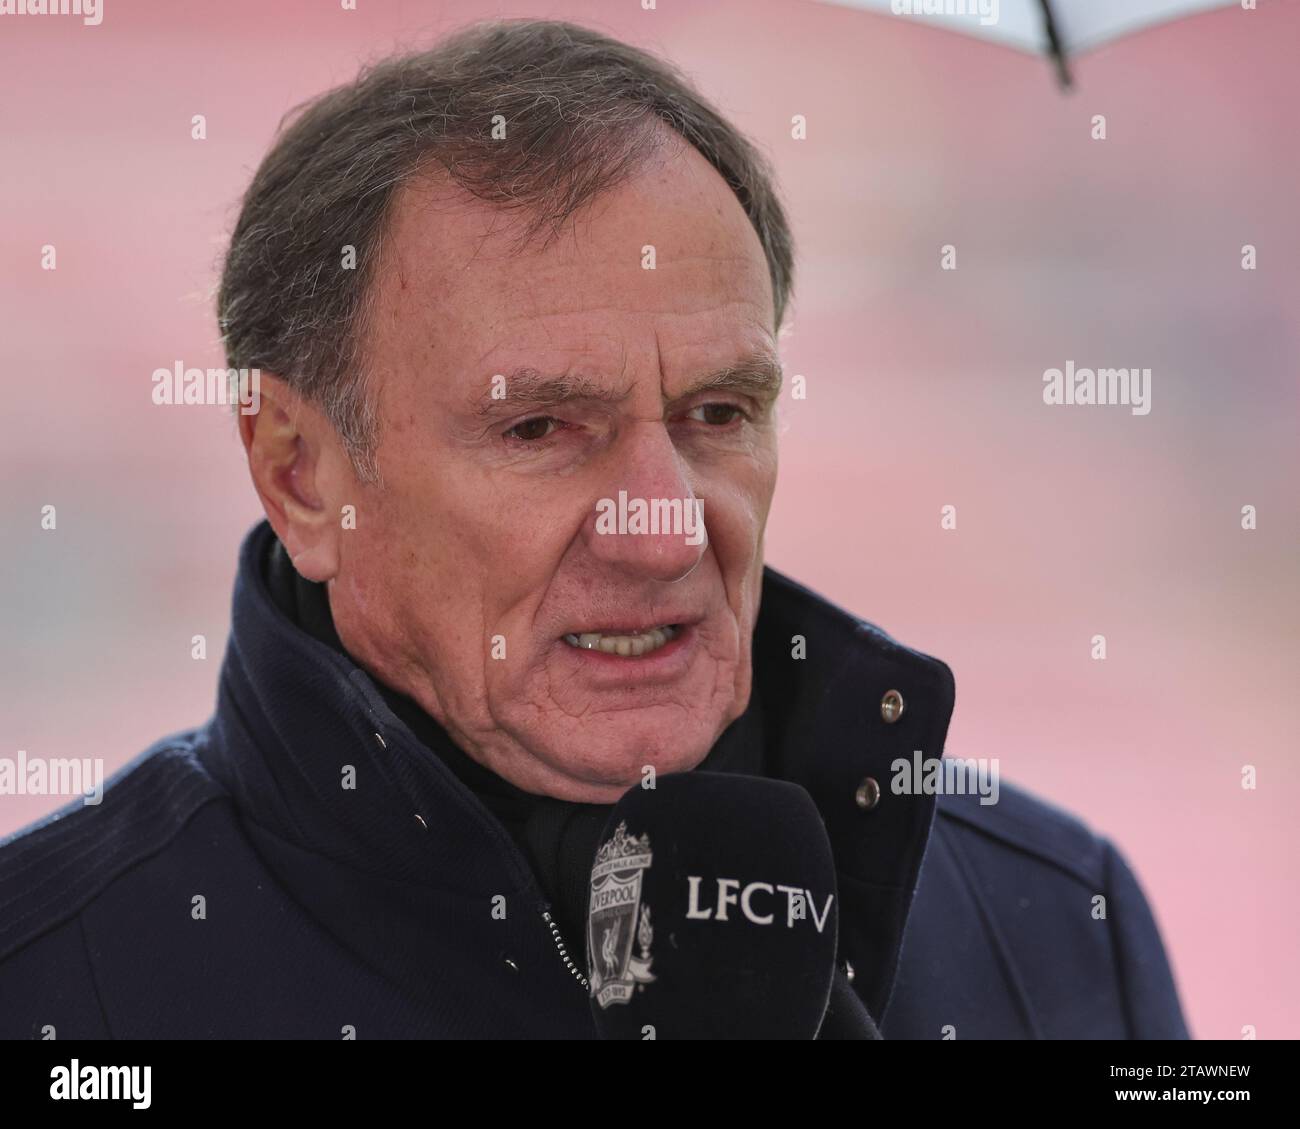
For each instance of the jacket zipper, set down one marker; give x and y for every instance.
(564, 952)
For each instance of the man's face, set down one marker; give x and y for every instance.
(515, 393)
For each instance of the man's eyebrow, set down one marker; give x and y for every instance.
(526, 387)
(756, 374)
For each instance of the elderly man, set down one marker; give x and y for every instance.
(515, 305)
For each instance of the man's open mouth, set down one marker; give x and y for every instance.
(629, 644)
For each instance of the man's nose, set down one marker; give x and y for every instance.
(647, 520)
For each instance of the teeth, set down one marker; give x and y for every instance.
(628, 646)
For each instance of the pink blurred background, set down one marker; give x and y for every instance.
(924, 390)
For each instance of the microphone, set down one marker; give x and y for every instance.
(713, 912)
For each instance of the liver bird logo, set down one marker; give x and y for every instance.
(609, 948)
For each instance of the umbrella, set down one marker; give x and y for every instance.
(1059, 28)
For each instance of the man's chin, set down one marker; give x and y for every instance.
(598, 769)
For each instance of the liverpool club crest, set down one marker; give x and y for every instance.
(617, 922)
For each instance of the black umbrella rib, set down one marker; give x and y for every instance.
(1055, 45)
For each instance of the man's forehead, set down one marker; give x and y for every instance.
(436, 228)
(440, 235)
(557, 322)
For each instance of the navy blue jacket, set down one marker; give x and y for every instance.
(229, 887)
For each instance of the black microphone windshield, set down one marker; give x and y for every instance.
(713, 912)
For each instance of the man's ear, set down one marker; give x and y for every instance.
(299, 467)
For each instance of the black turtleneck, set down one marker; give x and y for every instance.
(559, 837)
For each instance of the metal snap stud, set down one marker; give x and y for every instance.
(868, 794)
(891, 706)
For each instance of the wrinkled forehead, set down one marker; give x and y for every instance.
(667, 261)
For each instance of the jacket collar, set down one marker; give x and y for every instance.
(829, 731)
(297, 722)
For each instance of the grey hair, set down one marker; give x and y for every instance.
(581, 111)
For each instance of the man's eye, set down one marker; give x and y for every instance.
(530, 430)
(716, 414)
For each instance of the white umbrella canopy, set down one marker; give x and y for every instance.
(1059, 28)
